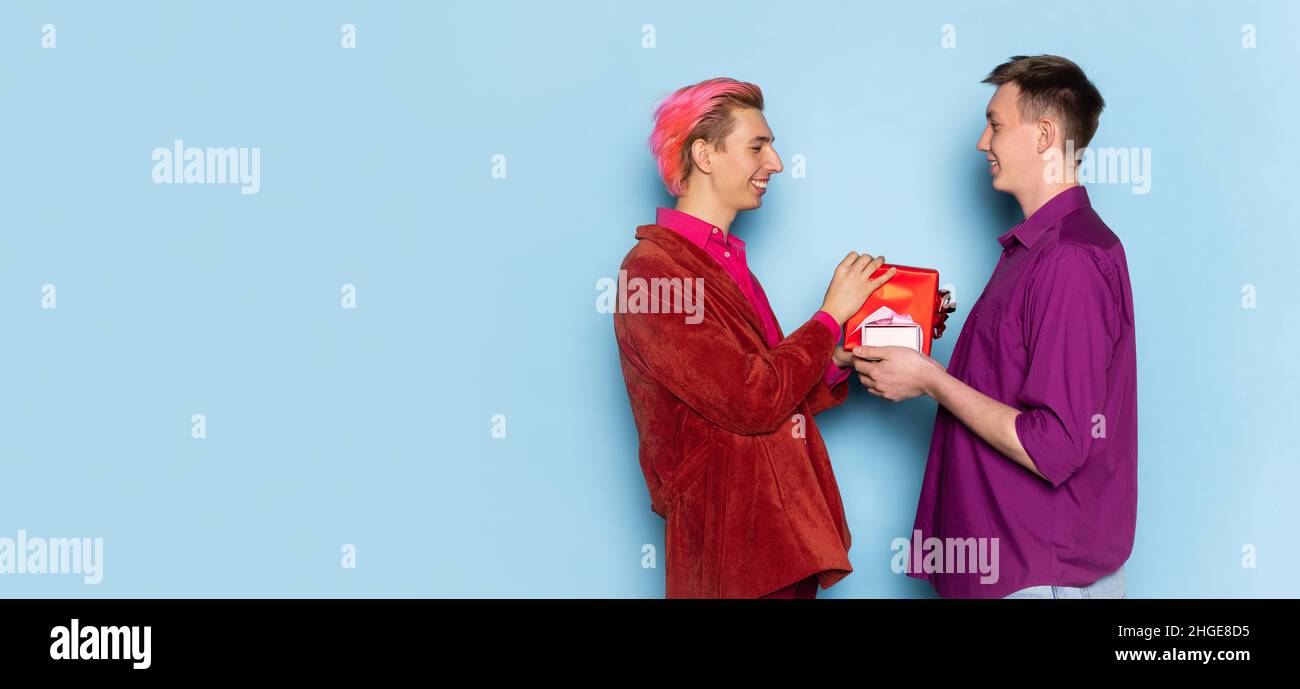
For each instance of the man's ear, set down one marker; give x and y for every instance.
(1046, 132)
(700, 156)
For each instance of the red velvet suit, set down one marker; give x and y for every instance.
(749, 505)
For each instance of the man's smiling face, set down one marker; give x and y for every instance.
(743, 166)
(1010, 144)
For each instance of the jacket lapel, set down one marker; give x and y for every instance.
(699, 263)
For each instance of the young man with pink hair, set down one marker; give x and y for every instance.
(724, 404)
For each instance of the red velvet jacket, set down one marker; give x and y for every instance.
(750, 503)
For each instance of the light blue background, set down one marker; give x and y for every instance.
(477, 295)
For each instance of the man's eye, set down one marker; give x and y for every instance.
(756, 148)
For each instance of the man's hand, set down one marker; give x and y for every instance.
(900, 373)
(842, 357)
(895, 373)
(851, 284)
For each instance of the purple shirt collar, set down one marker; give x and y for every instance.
(1035, 225)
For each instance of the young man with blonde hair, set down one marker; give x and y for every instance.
(1034, 448)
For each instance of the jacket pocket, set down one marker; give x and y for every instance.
(695, 445)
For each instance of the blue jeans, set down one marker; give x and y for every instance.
(1109, 586)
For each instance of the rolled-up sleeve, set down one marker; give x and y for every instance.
(1070, 328)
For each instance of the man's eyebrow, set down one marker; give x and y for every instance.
(988, 115)
(763, 139)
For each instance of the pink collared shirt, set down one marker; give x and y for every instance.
(729, 251)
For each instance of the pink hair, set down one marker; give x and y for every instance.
(699, 111)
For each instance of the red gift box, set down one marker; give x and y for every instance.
(913, 292)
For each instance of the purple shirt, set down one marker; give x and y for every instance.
(1052, 336)
(729, 252)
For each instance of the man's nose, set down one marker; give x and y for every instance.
(775, 163)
